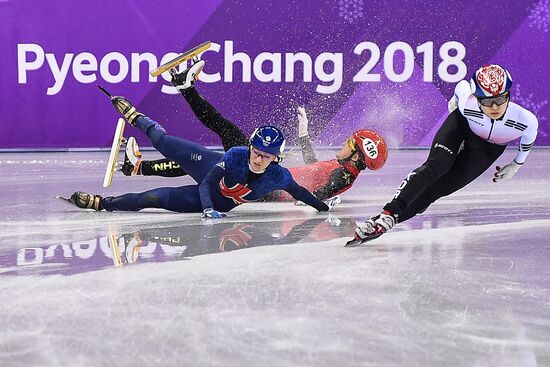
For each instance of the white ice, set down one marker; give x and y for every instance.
(465, 284)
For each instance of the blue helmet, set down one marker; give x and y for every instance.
(268, 139)
(490, 81)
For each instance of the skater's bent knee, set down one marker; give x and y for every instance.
(435, 168)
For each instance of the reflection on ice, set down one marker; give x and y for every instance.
(169, 243)
(466, 284)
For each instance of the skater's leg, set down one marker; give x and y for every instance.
(229, 133)
(444, 150)
(476, 158)
(419, 182)
(178, 199)
(135, 165)
(162, 167)
(193, 158)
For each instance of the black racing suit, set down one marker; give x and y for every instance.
(457, 157)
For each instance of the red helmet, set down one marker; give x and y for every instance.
(372, 146)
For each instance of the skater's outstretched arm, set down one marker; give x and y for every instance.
(207, 185)
(302, 194)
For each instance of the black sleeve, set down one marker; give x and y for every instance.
(339, 179)
(307, 150)
(230, 134)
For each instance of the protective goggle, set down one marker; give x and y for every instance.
(255, 152)
(498, 100)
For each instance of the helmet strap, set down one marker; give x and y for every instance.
(360, 162)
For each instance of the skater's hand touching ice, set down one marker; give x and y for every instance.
(332, 202)
(211, 213)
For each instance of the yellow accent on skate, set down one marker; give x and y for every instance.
(112, 240)
(187, 55)
(115, 149)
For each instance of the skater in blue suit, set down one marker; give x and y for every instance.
(224, 181)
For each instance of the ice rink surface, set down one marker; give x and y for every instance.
(465, 284)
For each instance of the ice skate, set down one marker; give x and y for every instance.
(187, 55)
(187, 78)
(123, 106)
(372, 229)
(113, 155)
(126, 109)
(84, 201)
(132, 158)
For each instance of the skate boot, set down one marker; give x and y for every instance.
(132, 158)
(126, 109)
(187, 78)
(86, 201)
(373, 228)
